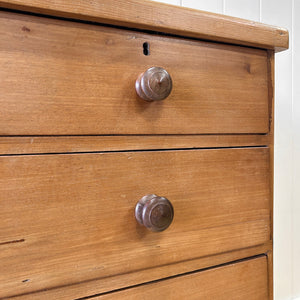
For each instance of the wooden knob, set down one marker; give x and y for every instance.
(154, 212)
(154, 84)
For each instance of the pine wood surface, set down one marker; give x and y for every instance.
(69, 218)
(241, 280)
(155, 16)
(90, 288)
(65, 78)
(51, 236)
(99, 286)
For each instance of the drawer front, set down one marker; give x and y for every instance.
(70, 218)
(60, 78)
(243, 280)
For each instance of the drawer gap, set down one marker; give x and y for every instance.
(175, 276)
(133, 151)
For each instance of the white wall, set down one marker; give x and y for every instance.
(296, 150)
(282, 13)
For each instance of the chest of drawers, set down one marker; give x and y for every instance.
(80, 149)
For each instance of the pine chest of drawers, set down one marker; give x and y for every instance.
(136, 152)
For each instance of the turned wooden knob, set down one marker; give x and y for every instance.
(154, 84)
(154, 212)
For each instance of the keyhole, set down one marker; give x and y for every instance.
(146, 48)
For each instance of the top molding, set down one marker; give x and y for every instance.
(148, 15)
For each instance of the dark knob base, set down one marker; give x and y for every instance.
(154, 84)
(154, 212)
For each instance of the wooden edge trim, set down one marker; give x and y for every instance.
(270, 273)
(271, 80)
(75, 144)
(148, 15)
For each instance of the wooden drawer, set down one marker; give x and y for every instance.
(69, 218)
(242, 280)
(66, 78)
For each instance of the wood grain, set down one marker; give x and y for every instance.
(69, 218)
(63, 144)
(242, 280)
(67, 226)
(98, 286)
(65, 78)
(154, 16)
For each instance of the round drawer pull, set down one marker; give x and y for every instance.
(154, 212)
(154, 84)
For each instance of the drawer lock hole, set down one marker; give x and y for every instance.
(146, 49)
